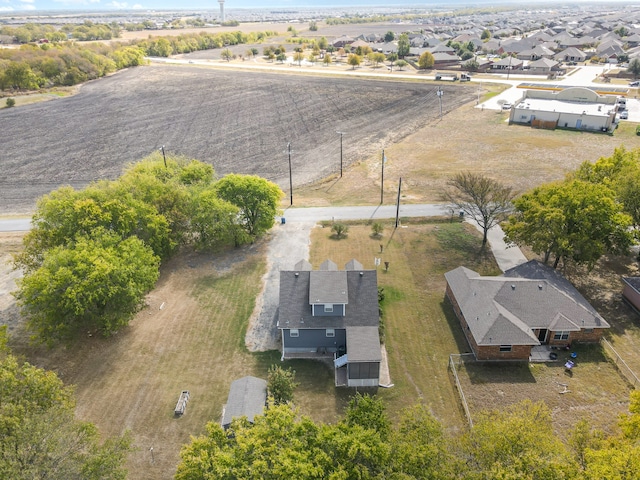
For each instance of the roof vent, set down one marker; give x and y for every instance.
(513, 287)
(362, 274)
(539, 286)
(297, 274)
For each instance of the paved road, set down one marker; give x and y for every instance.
(15, 224)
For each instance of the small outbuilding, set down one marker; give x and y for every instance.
(631, 292)
(247, 398)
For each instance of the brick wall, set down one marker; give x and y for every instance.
(518, 352)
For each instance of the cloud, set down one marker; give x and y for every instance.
(76, 2)
(6, 9)
(115, 4)
(27, 1)
(137, 6)
(28, 7)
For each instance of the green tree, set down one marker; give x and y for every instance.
(401, 64)
(376, 58)
(94, 283)
(482, 199)
(486, 35)
(389, 36)
(281, 383)
(323, 44)
(368, 412)
(281, 57)
(516, 442)
(340, 230)
(354, 60)
(257, 199)
(571, 220)
(426, 61)
(420, 448)
(213, 221)
(634, 67)
(392, 58)
(19, 76)
(313, 26)
(11, 102)
(376, 229)
(65, 213)
(226, 54)
(403, 45)
(327, 60)
(39, 435)
(298, 57)
(277, 445)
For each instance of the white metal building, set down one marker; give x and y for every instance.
(575, 107)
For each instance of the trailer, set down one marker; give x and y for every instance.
(447, 77)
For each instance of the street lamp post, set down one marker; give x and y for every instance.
(384, 159)
(440, 92)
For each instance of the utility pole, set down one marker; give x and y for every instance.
(509, 67)
(384, 159)
(290, 176)
(398, 203)
(340, 133)
(164, 156)
(440, 92)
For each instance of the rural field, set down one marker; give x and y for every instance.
(191, 335)
(239, 122)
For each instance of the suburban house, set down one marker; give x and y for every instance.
(575, 107)
(247, 398)
(505, 317)
(631, 291)
(543, 66)
(571, 54)
(333, 314)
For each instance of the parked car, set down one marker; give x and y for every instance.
(634, 84)
(624, 115)
(506, 106)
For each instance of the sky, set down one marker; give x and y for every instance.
(107, 5)
(7, 6)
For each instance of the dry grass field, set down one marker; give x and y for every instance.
(238, 121)
(420, 327)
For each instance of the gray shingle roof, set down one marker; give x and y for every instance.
(363, 344)
(328, 287)
(505, 310)
(247, 398)
(362, 300)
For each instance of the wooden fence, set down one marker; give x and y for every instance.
(457, 359)
(621, 364)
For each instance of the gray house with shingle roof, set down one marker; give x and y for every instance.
(504, 317)
(247, 398)
(331, 313)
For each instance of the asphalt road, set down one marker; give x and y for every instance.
(15, 225)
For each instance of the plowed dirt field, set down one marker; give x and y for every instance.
(240, 122)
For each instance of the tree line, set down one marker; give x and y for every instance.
(93, 254)
(515, 443)
(32, 66)
(88, 30)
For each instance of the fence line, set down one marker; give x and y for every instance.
(452, 364)
(621, 364)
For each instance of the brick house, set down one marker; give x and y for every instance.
(503, 317)
(333, 314)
